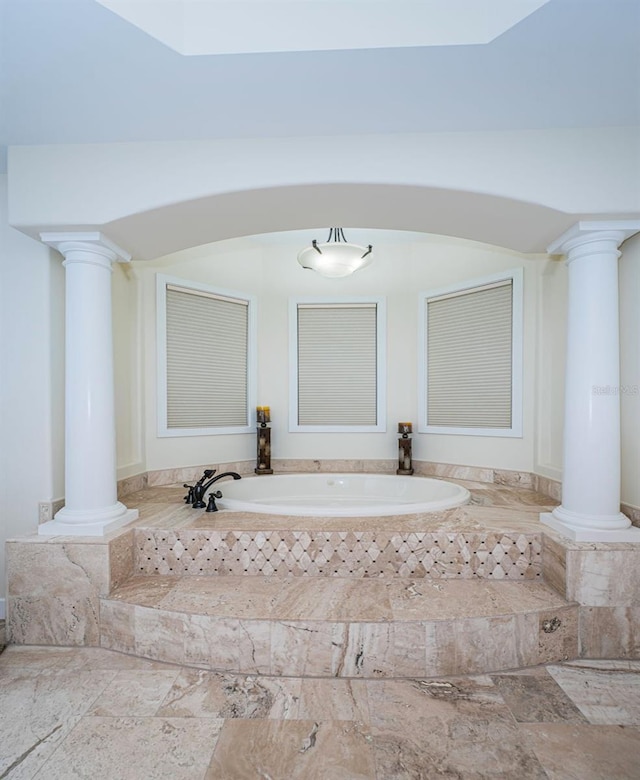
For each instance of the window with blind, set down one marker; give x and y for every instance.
(471, 356)
(205, 356)
(337, 365)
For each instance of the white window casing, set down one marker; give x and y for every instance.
(206, 359)
(471, 357)
(337, 365)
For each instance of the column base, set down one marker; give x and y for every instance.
(74, 522)
(589, 534)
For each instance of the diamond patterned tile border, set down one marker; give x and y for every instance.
(465, 555)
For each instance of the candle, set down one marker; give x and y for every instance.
(263, 414)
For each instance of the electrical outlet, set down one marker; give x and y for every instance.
(45, 511)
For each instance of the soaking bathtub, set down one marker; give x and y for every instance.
(340, 495)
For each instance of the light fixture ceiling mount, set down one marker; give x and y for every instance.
(336, 257)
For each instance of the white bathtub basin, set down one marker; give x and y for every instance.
(340, 495)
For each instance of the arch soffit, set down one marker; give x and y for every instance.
(490, 219)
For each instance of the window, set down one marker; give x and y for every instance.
(337, 365)
(471, 357)
(206, 371)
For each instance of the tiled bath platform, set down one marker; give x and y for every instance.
(340, 627)
(480, 588)
(457, 591)
(490, 538)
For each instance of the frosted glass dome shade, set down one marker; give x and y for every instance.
(335, 258)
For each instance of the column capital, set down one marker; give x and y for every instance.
(85, 241)
(613, 232)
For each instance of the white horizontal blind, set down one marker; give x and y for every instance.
(469, 357)
(337, 364)
(207, 357)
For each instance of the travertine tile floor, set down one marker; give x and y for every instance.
(70, 713)
(90, 713)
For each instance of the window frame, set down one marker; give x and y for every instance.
(516, 276)
(381, 363)
(163, 430)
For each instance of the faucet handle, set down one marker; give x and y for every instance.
(211, 506)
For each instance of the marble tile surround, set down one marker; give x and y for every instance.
(525, 479)
(49, 609)
(302, 466)
(55, 583)
(632, 512)
(604, 579)
(593, 573)
(547, 486)
(132, 485)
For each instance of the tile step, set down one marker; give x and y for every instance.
(340, 627)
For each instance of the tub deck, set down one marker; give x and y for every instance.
(395, 596)
(479, 588)
(496, 508)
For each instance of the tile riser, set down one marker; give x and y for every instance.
(497, 556)
(292, 648)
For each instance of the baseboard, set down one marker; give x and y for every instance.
(47, 510)
(632, 512)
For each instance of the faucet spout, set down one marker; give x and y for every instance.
(211, 506)
(197, 492)
(233, 474)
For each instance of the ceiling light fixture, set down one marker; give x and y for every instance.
(337, 257)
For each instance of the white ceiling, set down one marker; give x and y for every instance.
(193, 27)
(72, 71)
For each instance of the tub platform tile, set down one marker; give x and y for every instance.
(340, 627)
(357, 553)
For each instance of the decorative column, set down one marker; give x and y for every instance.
(590, 509)
(91, 504)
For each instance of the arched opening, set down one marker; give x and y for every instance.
(490, 219)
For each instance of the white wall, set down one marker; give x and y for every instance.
(30, 392)
(403, 265)
(128, 370)
(551, 356)
(630, 369)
